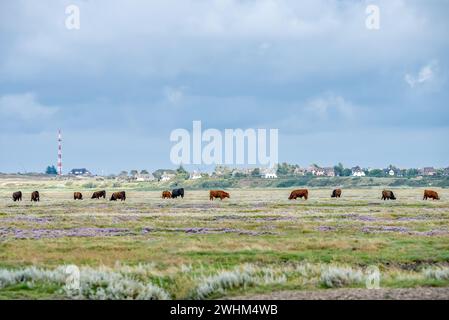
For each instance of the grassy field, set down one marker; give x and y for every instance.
(256, 242)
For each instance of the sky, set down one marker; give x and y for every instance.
(135, 71)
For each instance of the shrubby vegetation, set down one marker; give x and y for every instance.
(202, 282)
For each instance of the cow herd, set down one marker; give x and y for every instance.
(336, 193)
(215, 194)
(35, 197)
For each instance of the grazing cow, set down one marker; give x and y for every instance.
(166, 195)
(336, 193)
(218, 194)
(300, 193)
(99, 194)
(17, 196)
(431, 194)
(118, 196)
(77, 196)
(387, 195)
(177, 193)
(35, 196)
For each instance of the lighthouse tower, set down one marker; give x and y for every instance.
(59, 153)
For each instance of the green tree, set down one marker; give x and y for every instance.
(412, 172)
(144, 172)
(123, 173)
(339, 169)
(376, 173)
(255, 172)
(346, 172)
(285, 169)
(51, 170)
(182, 173)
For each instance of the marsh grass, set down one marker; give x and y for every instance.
(290, 240)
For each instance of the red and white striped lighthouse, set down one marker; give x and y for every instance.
(59, 153)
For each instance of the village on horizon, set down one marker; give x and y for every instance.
(279, 171)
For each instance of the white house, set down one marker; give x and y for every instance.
(80, 172)
(195, 175)
(269, 174)
(314, 170)
(144, 177)
(358, 172)
(167, 176)
(329, 172)
(300, 171)
(391, 172)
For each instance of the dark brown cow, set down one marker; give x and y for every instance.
(300, 193)
(336, 193)
(388, 195)
(77, 196)
(35, 196)
(17, 196)
(118, 196)
(431, 194)
(166, 195)
(218, 194)
(99, 194)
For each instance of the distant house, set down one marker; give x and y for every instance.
(428, 171)
(300, 172)
(167, 176)
(269, 173)
(240, 172)
(221, 171)
(144, 177)
(195, 175)
(357, 172)
(315, 170)
(80, 172)
(391, 172)
(329, 172)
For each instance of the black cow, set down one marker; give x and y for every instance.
(177, 193)
(99, 194)
(17, 196)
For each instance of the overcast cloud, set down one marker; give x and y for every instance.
(136, 70)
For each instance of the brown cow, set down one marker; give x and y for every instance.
(336, 193)
(218, 194)
(99, 194)
(77, 196)
(35, 196)
(118, 196)
(387, 195)
(431, 194)
(300, 193)
(166, 195)
(17, 196)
